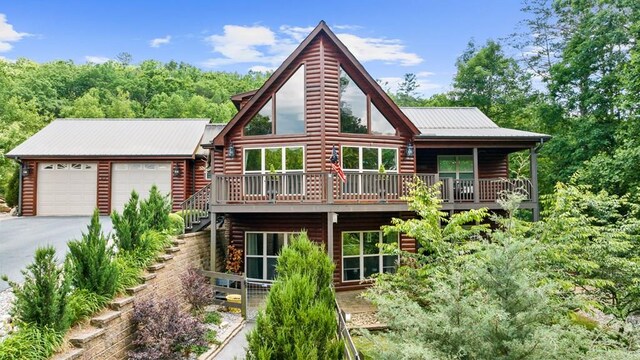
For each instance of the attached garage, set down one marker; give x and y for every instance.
(67, 188)
(74, 166)
(126, 177)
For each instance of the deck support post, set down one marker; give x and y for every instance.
(476, 182)
(330, 216)
(533, 169)
(214, 241)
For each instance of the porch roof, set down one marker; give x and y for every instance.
(462, 122)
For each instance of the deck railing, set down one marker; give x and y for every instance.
(371, 187)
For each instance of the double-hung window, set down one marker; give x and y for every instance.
(262, 251)
(361, 256)
(276, 169)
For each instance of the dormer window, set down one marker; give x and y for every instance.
(283, 114)
(358, 115)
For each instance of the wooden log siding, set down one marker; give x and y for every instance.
(200, 169)
(29, 189)
(179, 189)
(104, 187)
(493, 164)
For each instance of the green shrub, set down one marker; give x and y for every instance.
(42, 298)
(83, 303)
(129, 270)
(212, 317)
(151, 243)
(12, 188)
(176, 224)
(155, 210)
(91, 261)
(129, 226)
(30, 342)
(299, 320)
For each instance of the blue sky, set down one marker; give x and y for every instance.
(390, 38)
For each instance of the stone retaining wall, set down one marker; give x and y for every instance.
(108, 335)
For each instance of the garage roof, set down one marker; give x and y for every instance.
(461, 122)
(114, 137)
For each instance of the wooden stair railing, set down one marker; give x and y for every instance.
(195, 210)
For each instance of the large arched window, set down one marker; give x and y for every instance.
(358, 115)
(283, 114)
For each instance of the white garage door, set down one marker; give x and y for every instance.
(67, 188)
(139, 177)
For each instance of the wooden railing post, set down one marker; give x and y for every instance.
(329, 188)
(451, 190)
(476, 182)
(243, 288)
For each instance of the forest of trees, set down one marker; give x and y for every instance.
(33, 94)
(571, 69)
(575, 75)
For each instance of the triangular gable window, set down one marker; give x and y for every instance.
(283, 114)
(358, 115)
(379, 124)
(261, 123)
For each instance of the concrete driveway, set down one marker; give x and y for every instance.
(20, 236)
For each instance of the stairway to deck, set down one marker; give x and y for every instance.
(195, 210)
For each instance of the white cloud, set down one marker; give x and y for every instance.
(157, 42)
(297, 33)
(96, 59)
(8, 35)
(346, 27)
(387, 50)
(261, 68)
(261, 45)
(242, 44)
(425, 87)
(424, 74)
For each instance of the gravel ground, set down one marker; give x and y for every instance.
(6, 298)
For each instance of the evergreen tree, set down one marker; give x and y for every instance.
(299, 320)
(91, 261)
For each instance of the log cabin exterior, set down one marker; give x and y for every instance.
(272, 173)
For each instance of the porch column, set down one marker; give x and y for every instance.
(533, 169)
(476, 182)
(214, 241)
(330, 216)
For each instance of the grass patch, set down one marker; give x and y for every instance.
(30, 342)
(83, 303)
(212, 317)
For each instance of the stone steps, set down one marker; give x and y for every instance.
(105, 318)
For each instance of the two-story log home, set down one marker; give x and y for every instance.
(272, 165)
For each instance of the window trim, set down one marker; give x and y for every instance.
(457, 171)
(272, 98)
(368, 103)
(360, 169)
(263, 163)
(361, 255)
(264, 256)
